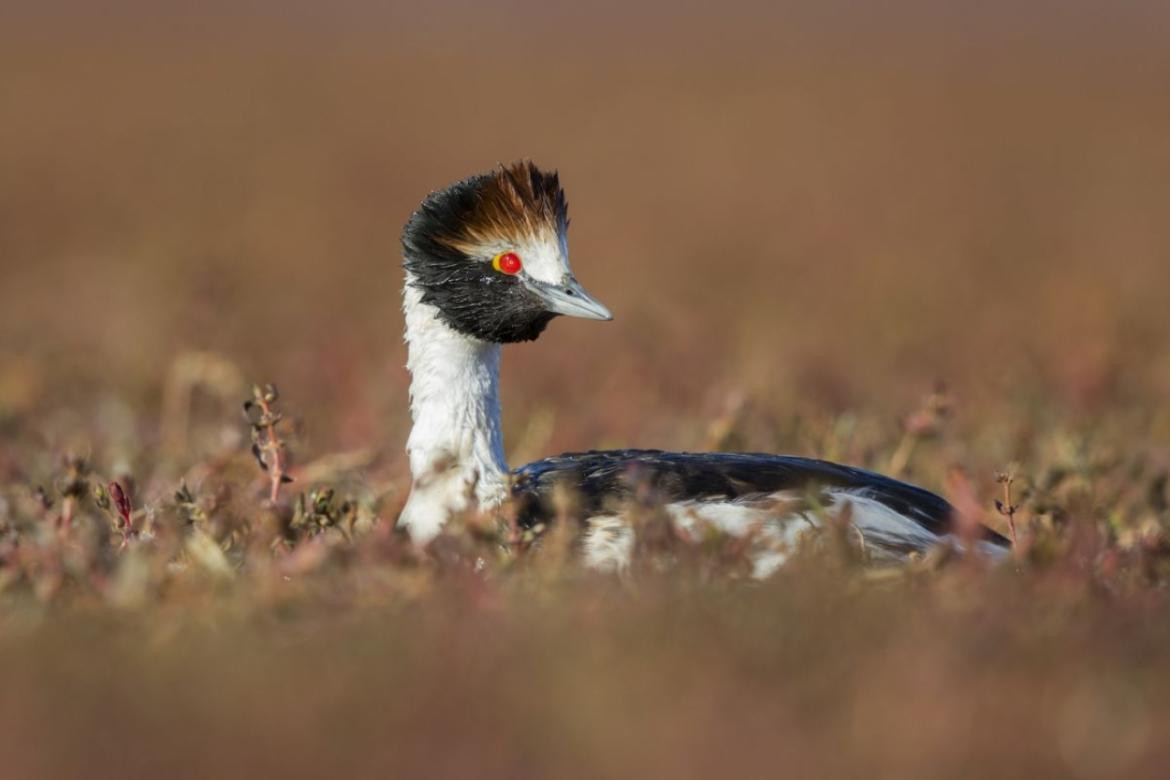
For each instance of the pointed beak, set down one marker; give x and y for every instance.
(569, 299)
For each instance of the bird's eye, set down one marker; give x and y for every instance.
(507, 263)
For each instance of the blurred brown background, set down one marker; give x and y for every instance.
(821, 204)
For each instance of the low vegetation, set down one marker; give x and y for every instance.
(255, 609)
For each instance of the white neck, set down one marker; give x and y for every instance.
(456, 447)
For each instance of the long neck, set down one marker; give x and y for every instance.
(456, 447)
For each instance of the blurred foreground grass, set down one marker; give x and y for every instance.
(952, 677)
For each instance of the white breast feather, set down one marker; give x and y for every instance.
(456, 447)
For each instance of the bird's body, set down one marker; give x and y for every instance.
(487, 264)
(779, 497)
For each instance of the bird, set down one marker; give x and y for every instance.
(486, 263)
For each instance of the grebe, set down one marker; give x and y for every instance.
(487, 264)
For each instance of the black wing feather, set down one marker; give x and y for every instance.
(599, 476)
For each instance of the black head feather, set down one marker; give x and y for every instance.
(446, 256)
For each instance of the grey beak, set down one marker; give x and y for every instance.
(569, 298)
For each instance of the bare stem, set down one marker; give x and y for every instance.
(273, 446)
(1007, 508)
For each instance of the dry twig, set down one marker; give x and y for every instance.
(267, 447)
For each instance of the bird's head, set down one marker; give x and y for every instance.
(491, 253)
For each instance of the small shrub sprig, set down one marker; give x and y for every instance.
(267, 447)
(114, 499)
(317, 512)
(74, 487)
(1006, 507)
(925, 423)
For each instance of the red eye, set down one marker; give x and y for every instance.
(507, 263)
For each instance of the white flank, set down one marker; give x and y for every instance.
(609, 542)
